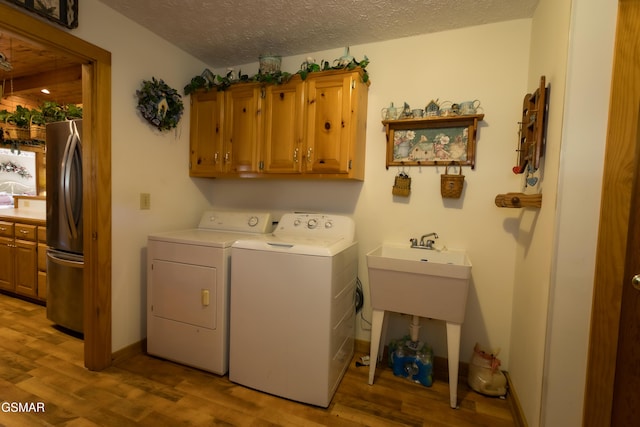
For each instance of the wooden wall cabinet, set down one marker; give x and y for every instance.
(206, 157)
(243, 127)
(313, 128)
(284, 127)
(336, 124)
(19, 258)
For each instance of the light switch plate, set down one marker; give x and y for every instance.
(145, 201)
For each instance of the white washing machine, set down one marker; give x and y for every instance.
(292, 308)
(188, 288)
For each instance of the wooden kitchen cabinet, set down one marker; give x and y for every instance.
(7, 262)
(42, 263)
(19, 258)
(313, 128)
(243, 127)
(26, 260)
(336, 124)
(206, 157)
(284, 127)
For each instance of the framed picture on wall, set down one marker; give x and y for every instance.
(432, 141)
(63, 12)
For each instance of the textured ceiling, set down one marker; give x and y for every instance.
(232, 32)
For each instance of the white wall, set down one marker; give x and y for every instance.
(571, 44)
(454, 65)
(490, 63)
(548, 51)
(586, 110)
(143, 160)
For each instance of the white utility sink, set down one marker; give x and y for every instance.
(420, 282)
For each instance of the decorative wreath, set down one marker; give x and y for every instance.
(15, 168)
(160, 104)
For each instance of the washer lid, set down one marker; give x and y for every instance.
(201, 237)
(296, 245)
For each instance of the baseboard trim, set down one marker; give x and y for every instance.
(129, 351)
(514, 403)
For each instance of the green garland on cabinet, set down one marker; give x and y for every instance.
(208, 80)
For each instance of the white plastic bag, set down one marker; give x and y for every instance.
(485, 376)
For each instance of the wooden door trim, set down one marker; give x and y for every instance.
(617, 191)
(96, 156)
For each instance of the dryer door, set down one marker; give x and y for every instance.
(184, 293)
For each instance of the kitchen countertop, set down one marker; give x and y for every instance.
(31, 216)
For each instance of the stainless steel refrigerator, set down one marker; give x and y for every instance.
(65, 260)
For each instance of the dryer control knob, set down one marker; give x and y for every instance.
(312, 223)
(328, 224)
(296, 222)
(253, 221)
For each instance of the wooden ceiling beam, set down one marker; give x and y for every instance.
(47, 79)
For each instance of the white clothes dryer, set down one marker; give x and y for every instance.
(292, 308)
(188, 288)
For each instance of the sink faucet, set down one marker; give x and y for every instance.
(424, 244)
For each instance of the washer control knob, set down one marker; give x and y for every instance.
(296, 222)
(253, 221)
(312, 223)
(328, 224)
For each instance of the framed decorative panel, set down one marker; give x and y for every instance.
(432, 141)
(63, 12)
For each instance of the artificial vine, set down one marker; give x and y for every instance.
(208, 81)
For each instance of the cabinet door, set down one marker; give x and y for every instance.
(26, 256)
(42, 285)
(243, 124)
(7, 264)
(329, 117)
(284, 127)
(206, 156)
(42, 268)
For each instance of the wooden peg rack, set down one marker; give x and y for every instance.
(531, 141)
(518, 200)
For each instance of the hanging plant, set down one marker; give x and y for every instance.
(160, 104)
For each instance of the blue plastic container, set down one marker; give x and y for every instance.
(412, 360)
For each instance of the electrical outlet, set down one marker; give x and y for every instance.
(145, 201)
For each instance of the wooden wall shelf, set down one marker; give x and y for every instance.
(518, 200)
(531, 142)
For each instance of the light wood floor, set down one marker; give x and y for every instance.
(40, 364)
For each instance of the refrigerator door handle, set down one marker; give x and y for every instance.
(63, 260)
(70, 154)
